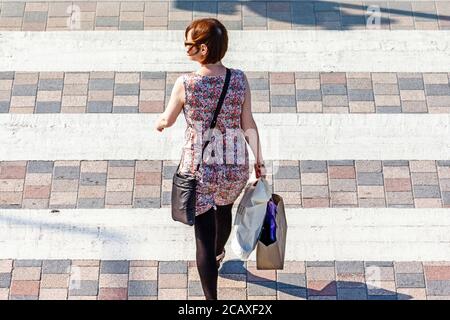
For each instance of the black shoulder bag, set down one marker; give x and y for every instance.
(184, 185)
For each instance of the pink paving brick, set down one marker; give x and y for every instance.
(341, 172)
(321, 288)
(26, 273)
(172, 294)
(170, 281)
(437, 272)
(53, 294)
(113, 294)
(55, 281)
(24, 288)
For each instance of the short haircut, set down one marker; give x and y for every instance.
(213, 34)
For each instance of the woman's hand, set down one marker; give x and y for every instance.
(260, 170)
(159, 126)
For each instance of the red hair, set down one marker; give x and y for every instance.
(213, 34)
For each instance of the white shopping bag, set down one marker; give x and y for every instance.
(250, 217)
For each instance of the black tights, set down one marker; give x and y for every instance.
(212, 230)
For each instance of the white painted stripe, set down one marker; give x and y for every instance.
(283, 136)
(313, 234)
(255, 50)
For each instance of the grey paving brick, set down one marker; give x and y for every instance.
(205, 6)
(4, 106)
(121, 163)
(93, 179)
(382, 297)
(166, 198)
(101, 84)
(147, 203)
(350, 284)
(114, 266)
(378, 263)
(352, 20)
(319, 263)
(65, 172)
(107, 21)
(333, 89)
(360, 95)
(262, 288)
(126, 109)
(5, 280)
(233, 267)
(145, 75)
(443, 163)
(385, 109)
(283, 101)
(345, 267)
(410, 280)
(303, 19)
(286, 172)
(437, 89)
(51, 84)
(24, 90)
(341, 162)
(48, 107)
(177, 24)
(309, 95)
(173, 267)
(131, 25)
(258, 84)
(446, 197)
(83, 288)
(27, 263)
(438, 287)
(395, 163)
(309, 166)
(335, 101)
(35, 16)
(370, 179)
(426, 191)
(99, 106)
(7, 75)
(86, 203)
(410, 84)
(142, 288)
(12, 9)
(56, 266)
(39, 166)
(299, 293)
(291, 280)
(259, 8)
(327, 16)
(168, 171)
(351, 294)
(195, 288)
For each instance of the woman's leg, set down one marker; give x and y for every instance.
(205, 234)
(223, 227)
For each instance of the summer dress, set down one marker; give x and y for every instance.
(218, 182)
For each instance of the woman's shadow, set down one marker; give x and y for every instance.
(294, 285)
(322, 14)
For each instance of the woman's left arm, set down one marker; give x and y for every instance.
(176, 103)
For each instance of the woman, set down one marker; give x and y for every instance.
(221, 182)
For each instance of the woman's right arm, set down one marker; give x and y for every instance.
(250, 129)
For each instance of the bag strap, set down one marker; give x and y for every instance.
(217, 111)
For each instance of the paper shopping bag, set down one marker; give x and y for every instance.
(250, 217)
(272, 256)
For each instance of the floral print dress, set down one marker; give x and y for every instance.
(224, 171)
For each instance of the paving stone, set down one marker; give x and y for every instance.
(116, 267)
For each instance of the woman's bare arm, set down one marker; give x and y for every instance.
(174, 107)
(249, 127)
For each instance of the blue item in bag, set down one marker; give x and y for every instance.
(268, 232)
